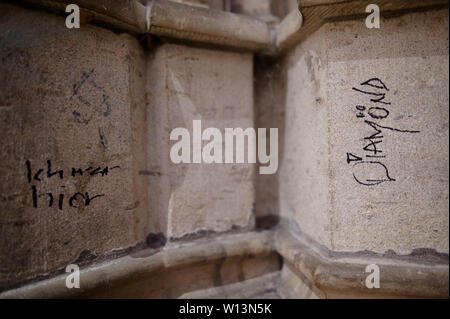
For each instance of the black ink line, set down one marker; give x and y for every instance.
(381, 95)
(383, 86)
(34, 196)
(89, 200)
(389, 128)
(76, 171)
(74, 197)
(84, 77)
(49, 170)
(370, 93)
(351, 158)
(50, 202)
(375, 181)
(61, 199)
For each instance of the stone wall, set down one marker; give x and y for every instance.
(69, 143)
(86, 116)
(186, 84)
(366, 147)
(86, 175)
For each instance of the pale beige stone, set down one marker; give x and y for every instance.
(410, 55)
(186, 84)
(304, 176)
(94, 98)
(198, 3)
(251, 7)
(262, 287)
(290, 286)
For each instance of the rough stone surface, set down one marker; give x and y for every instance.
(85, 119)
(292, 287)
(319, 189)
(186, 84)
(304, 176)
(66, 96)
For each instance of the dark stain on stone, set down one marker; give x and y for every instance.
(156, 240)
(86, 256)
(417, 255)
(196, 235)
(266, 222)
(133, 205)
(309, 65)
(217, 277)
(209, 234)
(148, 41)
(146, 172)
(425, 256)
(429, 253)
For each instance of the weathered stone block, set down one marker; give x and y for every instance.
(367, 123)
(67, 102)
(186, 84)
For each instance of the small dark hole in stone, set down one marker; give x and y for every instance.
(156, 240)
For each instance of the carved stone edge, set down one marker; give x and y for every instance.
(337, 275)
(318, 12)
(247, 289)
(169, 19)
(329, 274)
(217, 28)
(140, 265)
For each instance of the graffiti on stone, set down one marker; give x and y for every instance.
(35, 177)
(369, 164)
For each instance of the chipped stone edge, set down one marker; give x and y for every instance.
(142, 264)
(200, 25)
(336, 275)
(218, 28)
(169, 19)
(330, 274)
(318, 12)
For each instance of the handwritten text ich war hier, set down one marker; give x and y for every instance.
(35, 176)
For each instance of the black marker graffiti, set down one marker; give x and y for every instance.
(92, 97)
(36, 176)
(369, 169)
